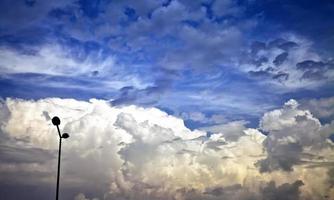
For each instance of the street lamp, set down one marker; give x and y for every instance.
(56, 122)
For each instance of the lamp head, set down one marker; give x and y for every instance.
(55, 121)
(65, 135)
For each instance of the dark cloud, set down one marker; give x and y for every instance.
(313, 75)
(281, 77)
(14, 154)
(261, 61)
(280, 58)
(262, 73)
(282, 44)
(16, 15)
(313, 70)
(331, 177)
(285, 191)
(274, 62)
(310, 65)
(147, 96)
(218, 193)
(288, 191)
(280, 157)
(257, 46)
(288, 45)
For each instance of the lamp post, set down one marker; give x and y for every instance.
(56, 122)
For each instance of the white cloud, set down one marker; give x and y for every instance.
(143, 153)
(53, 59)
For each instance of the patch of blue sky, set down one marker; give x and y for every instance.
(142, 70)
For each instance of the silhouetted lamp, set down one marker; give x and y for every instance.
(56, 122)
(65, 135)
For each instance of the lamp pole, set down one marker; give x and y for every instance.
(56, 122)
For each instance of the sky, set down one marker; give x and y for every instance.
(167, 99)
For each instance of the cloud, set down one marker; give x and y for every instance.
(82, 196)
(292, 134)
(231, 131)
(322, 108)
(202, 49)
(16, 15)
(131, 152)
(202, 118)
(289, 191)
(268, 192)
(50, 63)
(226, 8)
(53, 59)
(289, 63)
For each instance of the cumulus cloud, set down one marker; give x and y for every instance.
(132, 152)
(294, 136)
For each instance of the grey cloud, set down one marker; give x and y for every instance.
(219, 193)
(226, 8)
(282, 157)
(281, 77)
(331, 177)
(4, 113)
(288, 191)
(202, 50)
(314, 75)
(46, 115)
(286, 46)
(310, 65)
(285, 191)
(283, 63)
(257, 46)
(15, 15)
(261, 73)
(230, 131)
(14, 154)
(280, 58)
(313, 70)
(270, 73)
(282, 44)
(322, 108)
(260, 61)
(147, 96)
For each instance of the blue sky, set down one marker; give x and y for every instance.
(167, 99)
(200, 60)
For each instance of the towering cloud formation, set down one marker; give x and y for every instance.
(143, 153)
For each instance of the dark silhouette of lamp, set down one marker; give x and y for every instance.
(56, 122)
